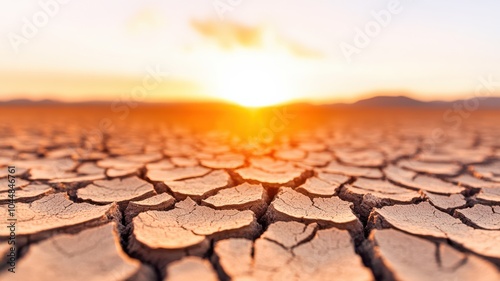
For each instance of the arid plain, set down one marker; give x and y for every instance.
(217, 192)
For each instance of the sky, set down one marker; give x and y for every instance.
(246, 51)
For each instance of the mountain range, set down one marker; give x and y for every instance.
(372, 102)
(404, 101)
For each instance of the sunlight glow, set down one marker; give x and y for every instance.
(255, 77)
(252, 79)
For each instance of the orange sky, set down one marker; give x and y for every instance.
(255, 52)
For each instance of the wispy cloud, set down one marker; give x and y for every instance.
(144, 20)
(231, 35)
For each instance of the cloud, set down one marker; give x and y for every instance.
(230, 35)
(144, 20)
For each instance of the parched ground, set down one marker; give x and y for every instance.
(211, 193)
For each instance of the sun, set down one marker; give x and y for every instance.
(253, 78)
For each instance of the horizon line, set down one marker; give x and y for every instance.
(361, 101)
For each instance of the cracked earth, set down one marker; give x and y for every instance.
(341, 197)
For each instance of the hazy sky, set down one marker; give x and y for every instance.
(95, 49)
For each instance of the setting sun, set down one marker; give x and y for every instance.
(252, 78)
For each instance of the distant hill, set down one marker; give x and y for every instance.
(493, 102)
(389, 101)
(404, 101)
(29, 102)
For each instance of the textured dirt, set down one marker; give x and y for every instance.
(205, 195)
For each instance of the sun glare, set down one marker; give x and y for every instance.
(254, 77)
